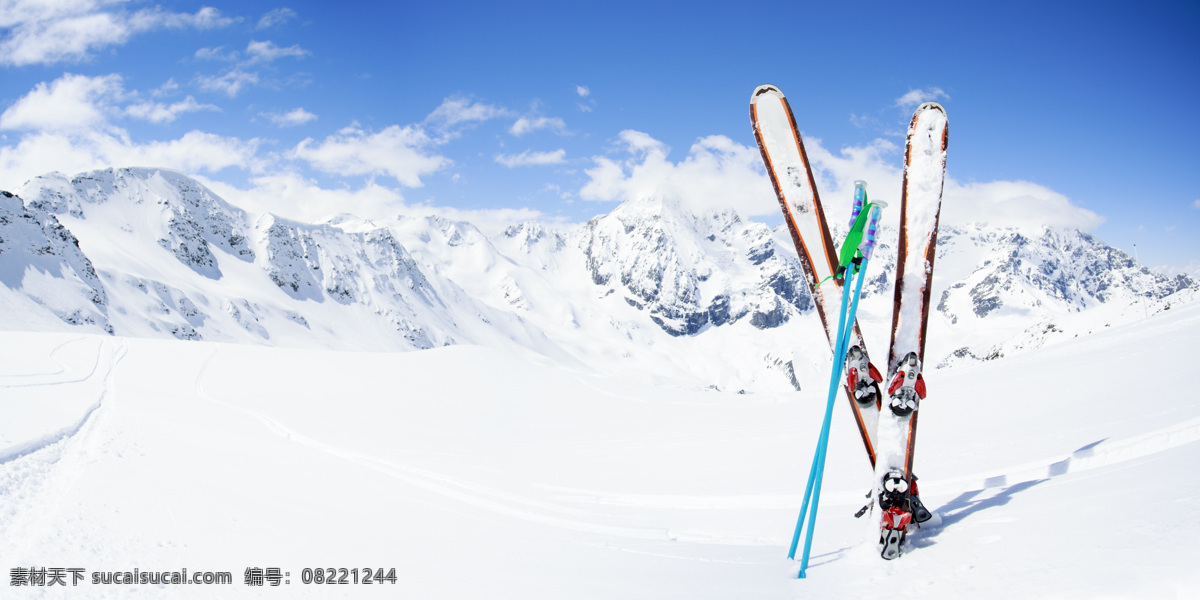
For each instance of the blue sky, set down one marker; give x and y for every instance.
(1079, 114)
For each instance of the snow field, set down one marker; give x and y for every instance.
(1058, 473)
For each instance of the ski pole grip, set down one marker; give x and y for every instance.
(860, 200)
(868, 244)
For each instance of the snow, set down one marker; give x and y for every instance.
(526, 480)
(547, 438)
(923, 176)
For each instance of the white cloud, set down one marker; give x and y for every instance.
(1020, 204)
(293, 196)
(917, 96)
(256, 53)
(588, 104)
(166, 89)
(877, 163)
(455, 111)
(720, 173)
(69, 102)
(291, 118)
(396, 151)
(42, 32)
(864, 121)
(279, 16)
(1196, 203)
(557, 190)
(218, 53)
(40, 153)
(75, 102)
(157, 112)
(525, 125)
(529, 158)
(76, 151)
(241, 75)
(67, 127)
(155, 18)
(230, 83)
(637, 142)
(1014, 204)
(195, 151)
(152, 19)
(266, 52)
(717, 173)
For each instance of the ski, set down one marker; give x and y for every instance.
(787, 165)
(920, 205)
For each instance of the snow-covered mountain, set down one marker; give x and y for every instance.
(174, 259)
(650, 289)
(688, 271)
(44, 272)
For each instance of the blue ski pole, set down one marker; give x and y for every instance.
(818, 462)
(818, 473)
(847, 254)
(845, 328)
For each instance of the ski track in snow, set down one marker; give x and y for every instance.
(477, 495)
(28, 447)
(52, 377)
(34, 475)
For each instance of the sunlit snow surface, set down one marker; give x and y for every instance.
(1064, 472)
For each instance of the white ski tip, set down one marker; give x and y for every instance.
(930, 106)
(765, 90)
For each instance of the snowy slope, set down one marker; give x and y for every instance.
(525, 480)
(48, 283)
(176, 260)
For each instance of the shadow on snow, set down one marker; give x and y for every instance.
(970, 502)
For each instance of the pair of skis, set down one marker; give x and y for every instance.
(888, 435)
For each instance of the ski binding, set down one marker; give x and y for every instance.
(908, 386)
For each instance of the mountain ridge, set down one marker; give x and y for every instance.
(702, 298)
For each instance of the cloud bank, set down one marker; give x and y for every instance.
(719, 173)
(530, 158)
(74, 124)
(917, 96)
(38, 32)
(399, 152)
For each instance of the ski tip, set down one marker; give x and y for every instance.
(765, 90)
(930, 106)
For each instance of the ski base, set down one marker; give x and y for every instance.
(889, 542)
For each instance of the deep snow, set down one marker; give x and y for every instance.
(1063, 472)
